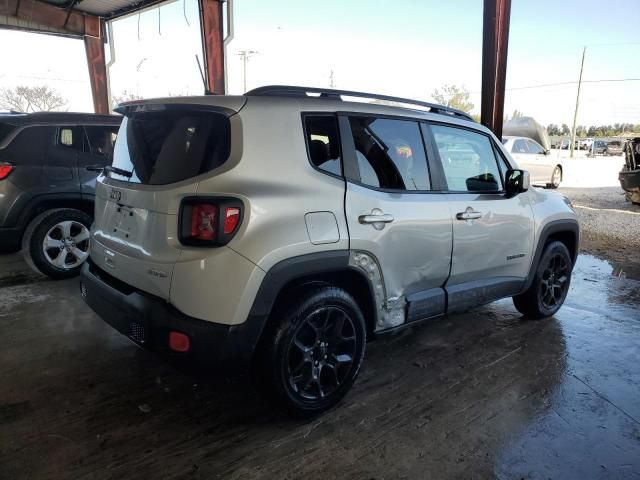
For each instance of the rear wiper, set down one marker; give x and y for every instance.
(118, 171)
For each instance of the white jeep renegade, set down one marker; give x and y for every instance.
(279, 230)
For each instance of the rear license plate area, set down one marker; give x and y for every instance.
(124, 225)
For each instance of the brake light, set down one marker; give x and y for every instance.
(231, 219)
(5, 170)
(209, 221)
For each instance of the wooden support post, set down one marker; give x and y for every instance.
(94, 46)
(495, 43)
(213, 44)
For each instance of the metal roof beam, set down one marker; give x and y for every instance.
(71, 22)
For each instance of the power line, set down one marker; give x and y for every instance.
(574, 82)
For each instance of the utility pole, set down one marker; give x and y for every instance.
(332, 83)
(245, 55)
(575, 114)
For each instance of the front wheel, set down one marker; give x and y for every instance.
(313, 353)
(556, 178)
(550, 284)
(56, 242)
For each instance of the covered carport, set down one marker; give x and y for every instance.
(88, 20)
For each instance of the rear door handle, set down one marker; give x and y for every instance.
(379, 218)
(469, 214)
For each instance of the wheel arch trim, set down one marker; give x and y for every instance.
(296, 268)
(555, 227)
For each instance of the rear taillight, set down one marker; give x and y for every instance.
(5, 170)
(204, 221)
(209, 221)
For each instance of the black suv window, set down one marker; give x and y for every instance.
(100, 139)
(323, 142)
(390, 153)
(468, 160)
(70, 137)
(5, 130)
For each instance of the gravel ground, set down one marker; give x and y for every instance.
(610, 226)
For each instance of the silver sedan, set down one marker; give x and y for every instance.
(530, 155)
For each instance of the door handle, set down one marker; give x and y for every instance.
(379, 218)
(469, 214)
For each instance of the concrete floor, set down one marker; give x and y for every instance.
(480, 395)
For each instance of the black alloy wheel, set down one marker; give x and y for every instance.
(311, 353)
(550, 285)
(554, 282)
(321, 353)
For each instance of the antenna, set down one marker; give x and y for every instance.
(204, 81)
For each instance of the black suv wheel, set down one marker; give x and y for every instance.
(313, 354)
(550, 285)
(56, 242)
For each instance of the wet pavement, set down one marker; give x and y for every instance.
(484, 394)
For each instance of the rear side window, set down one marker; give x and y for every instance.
(323, 143)
(31, 144)
(5, 130)
(535, 148)
(520, 146)
(165, 147)
(390, 153)
(468, 160)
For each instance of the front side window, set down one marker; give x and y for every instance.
(100, 139)
(323, 143)
(468, 160)
(390, 153)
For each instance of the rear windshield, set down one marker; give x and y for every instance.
(169, 146)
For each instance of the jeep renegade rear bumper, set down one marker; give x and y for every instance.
(147, 320)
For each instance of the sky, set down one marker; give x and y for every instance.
(398, 47)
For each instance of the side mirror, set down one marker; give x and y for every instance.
(516, 181)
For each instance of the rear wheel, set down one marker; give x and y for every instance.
(313, 353)
(56, 242)
(550, 284)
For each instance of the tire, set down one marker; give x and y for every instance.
(66, 232)
(556, 178)
(306, 366)
(550, 284)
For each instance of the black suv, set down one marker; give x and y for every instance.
(48, 168)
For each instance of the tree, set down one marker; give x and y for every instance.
(124, 96)
(31, 99)
(454, 97)
(564, 129)
(553, 129)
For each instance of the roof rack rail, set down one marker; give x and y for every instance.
(332, 94)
